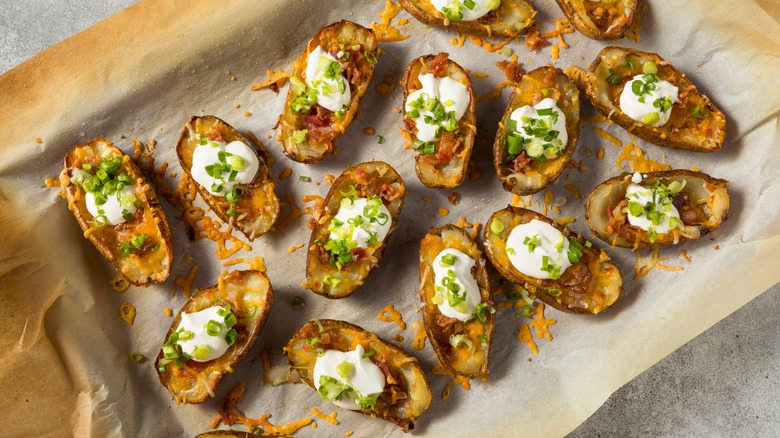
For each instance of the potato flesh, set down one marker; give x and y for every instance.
(462, 360)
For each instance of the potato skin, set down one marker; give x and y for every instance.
(451, 173)
(597, 289)
(700, 186)
(682, 131)
(241, 289)
(510, 19)
(343, 336)
(142, 269)
(529, 91)
(576, 12)
(342, 31)
(476, 363)
(261, 208)
(375, 176)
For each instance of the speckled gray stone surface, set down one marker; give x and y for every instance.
(723, 383)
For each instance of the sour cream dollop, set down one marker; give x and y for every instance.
(362, 220)
(648, 99)
(118, 204)
(455, 266)
(542, 127)
(323, 73)
(235, 156)
(363, 376)
(201, 345)
(662, 216)
(538, 249)
(437, 106)
(459, 10)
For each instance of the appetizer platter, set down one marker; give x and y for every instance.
(321, 213)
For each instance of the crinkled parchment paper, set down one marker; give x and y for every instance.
(143, 73)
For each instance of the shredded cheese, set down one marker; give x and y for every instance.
(389, 314)
(685, 256)
(285, 173)
(458, 40)
(275, 81)
(256, 263)
(229, 414)
(443, 211)
(526, 337)
(419, 335)
(542, 324)
(575, 190)
(446, 393)
(637, 160)
(119, 283)
(329, 418)
(607, 136)
(646, 263)
(127, 312)
(385, 31)
(185, 283)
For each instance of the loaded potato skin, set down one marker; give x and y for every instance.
(600, 19)
(507, 18)
(118, 210)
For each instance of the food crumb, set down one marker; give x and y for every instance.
(387, 86)
(119, 283)
(426, 199)
(717, 247)
(446, 393)
(285, 173)
(684, 255)
(330, 179)
(329, 418)
(397, 110)
(348, 433)
(479, 74)
(452, 198)
(389, 314)
(443, 211)
(247, 114)
(127, 312)
(294, 248)
(419, 335)
(600, 154)
(38, 140)
(237, 105)
(398, 338)
(369, 131)
(232, 78)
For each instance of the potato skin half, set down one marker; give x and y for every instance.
(588, 287)
(534, 177)
(449, 170)
(139, 269)
(683, 130)
(348, 33)
(457, 361)
(510, 19)
(374, 177)
(259, 203)
(343, 336)
(619, 17)
(708, 195)
(250, 296)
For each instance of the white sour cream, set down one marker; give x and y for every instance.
(477, 11)
(451, 93)
(115, 206)
(361, 227)
(528, 117)
(196, 323)
(669, 217)
(208, 155)
(365, 377)
(637, 107)
(549, 242)
(463, 278)
(332, 93)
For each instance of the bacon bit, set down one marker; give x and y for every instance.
(119, 283)
(398, 338)
(554, 53)
(607, 136)
(229, 414)
(637, 160)
(285, 173)
(542, 324)
(275, 81)
(294, 248)
(185, 283)
(474, 172)
(127, 312)
(443, 211)
(575, 190)
(600, 154)
(684, 254)
(533, 40)
(512, 70)
(385, 32)
(389, 314)
(329, 418)
(465, 225)
(426, 199)
(418, 343)
(256, 263)
(247, 114)
(645, 264)
(526, 337)
(387, 86)
(446, 393)
(566, 220)
(369, 131)
(439, 63)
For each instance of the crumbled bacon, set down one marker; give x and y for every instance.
(439, 64)
(215, 135)
(359, 253)
(519, 163)
(512, 70)
(410, 124)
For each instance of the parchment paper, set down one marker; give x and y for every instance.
(143, 73)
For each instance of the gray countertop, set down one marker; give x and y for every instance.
(725, 382)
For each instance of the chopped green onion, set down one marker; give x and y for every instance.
(299, 136)
(370, 57)
(201, 352)
(649, 67)
(613, 78)
(304, 178)
(492, 5)
(344, 369)
(230, 320)
(496, 227)
(448, 260)
(298, 302)
(697, 115)
(213, 328)
(380, 139)
(231, 337)
(137, 357)
(368, 354)
(651, 118)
